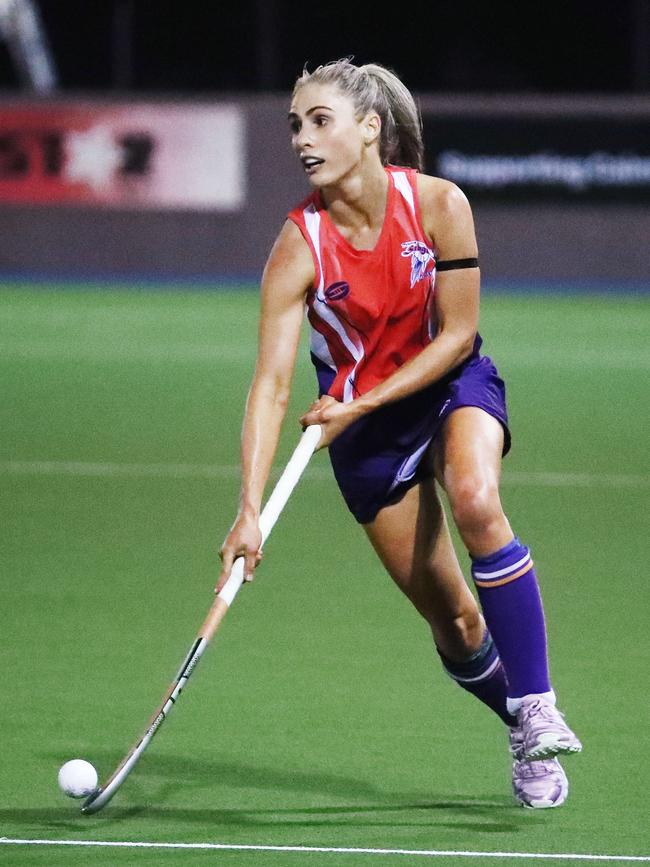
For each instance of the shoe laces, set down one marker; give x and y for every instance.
(524, 769)
(540, 709)
(516, 743)
(538, 768)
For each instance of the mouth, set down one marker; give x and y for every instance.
(310, 164)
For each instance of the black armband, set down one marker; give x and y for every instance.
(453, 264)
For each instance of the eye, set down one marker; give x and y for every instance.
(294, 126)
(321, 119)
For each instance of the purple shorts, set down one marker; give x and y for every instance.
(378, 458)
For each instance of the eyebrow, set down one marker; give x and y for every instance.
(310, 111)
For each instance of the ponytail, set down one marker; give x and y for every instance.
(401, 128)
(375, 88)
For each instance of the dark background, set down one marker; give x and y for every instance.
(253, 45)
(569, 78)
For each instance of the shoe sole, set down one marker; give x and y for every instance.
(549, 751)
(541, 805)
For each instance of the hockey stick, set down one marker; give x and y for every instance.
(276, 502)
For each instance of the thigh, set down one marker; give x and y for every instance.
(468, 450)
(467, 463)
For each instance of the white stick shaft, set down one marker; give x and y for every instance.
(289, 479)
(275, 503)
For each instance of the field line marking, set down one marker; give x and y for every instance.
(100, 347)
(576, 480)
(326, 850)
(112, 469)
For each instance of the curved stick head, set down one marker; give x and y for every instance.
(87, 806)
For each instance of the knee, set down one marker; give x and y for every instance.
(475, 505)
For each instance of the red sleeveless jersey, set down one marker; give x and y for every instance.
(369, 310)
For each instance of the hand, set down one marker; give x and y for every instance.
(333, 417)
(243, 540)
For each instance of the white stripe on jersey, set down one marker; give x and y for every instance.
(317, 343)
(312, 221)
(318, 346)
(321, 308)
(402, 184)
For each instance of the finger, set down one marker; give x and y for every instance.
(226, 568)
(218, 587)
(227, 559)
(250, 562)
(309, 418)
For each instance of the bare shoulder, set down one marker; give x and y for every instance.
(289, 267)
(438, 195)
(445, 210)
(289, 247)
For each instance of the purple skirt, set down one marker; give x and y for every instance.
(379, 457)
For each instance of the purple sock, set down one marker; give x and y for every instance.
(512, 606)
(483, 675)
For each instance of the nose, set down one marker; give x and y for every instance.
(301, 139)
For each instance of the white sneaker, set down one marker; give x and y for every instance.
(545, 733)
(536, 784)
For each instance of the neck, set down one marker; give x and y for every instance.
(358, 200)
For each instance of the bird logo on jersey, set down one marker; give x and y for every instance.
(421, 256)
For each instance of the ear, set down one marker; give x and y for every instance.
(371, 128)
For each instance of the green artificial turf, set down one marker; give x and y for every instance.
(319, 717)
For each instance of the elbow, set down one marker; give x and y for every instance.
(279, 391)
(281, 397)
(465, 346)
(273, 392)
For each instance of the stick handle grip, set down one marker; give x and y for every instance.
(271, 511)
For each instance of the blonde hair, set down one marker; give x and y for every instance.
(372, 87)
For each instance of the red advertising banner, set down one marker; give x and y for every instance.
(129, 155)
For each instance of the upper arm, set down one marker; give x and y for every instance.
(447, 219)
(288, 273)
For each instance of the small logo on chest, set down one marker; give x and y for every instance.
(337, 291)
(422, 260)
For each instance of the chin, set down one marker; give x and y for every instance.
(317, 179)
(324, 181)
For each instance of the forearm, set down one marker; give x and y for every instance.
(442, 355)
(265, 411)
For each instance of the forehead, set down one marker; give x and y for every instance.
(324, 95)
